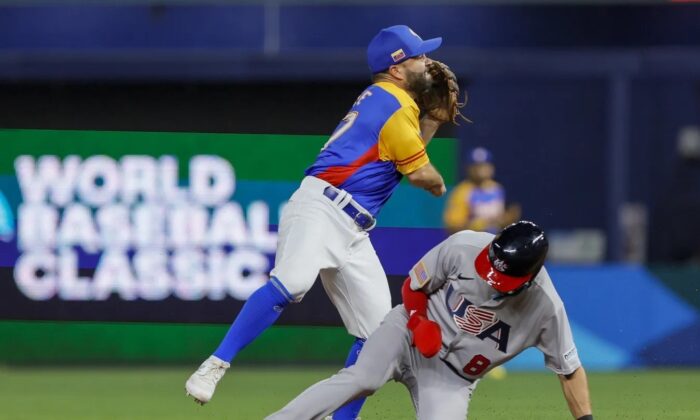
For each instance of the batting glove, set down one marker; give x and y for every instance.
(427, 337)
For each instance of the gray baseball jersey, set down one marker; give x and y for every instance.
(481, 328)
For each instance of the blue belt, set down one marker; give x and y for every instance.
(361, 218)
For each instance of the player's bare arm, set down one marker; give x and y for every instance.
(428, 178)
(428, 128)
(575, 388)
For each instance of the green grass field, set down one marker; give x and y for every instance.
(251, 393)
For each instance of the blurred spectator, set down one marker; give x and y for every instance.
(478, 202)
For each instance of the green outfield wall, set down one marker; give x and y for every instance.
(25, 342)
(270, 157)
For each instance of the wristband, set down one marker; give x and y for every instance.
(586, 417)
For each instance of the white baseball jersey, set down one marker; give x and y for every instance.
(481, 328)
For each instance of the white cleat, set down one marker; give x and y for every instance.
(202, 383)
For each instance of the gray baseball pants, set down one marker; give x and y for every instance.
(437, 392)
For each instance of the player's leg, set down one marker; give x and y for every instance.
(351, 410)
(293, 275)
(378, 362)
(260, 311)
(360, 292)
(438, 392)
(359, 288)
(300, 255)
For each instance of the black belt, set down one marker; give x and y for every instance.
(361, 218)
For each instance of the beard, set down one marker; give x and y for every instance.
(418, 82)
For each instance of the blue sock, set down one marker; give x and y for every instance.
(260, 311)
(351, 410)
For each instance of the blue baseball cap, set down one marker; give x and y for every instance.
(479, 155)
(395, 44)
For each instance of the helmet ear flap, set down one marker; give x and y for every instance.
(527, 284)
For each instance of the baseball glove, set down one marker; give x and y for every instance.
(441, 100)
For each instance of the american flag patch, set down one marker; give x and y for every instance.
(398, 55)
(421, 273)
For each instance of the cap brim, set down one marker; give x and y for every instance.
(429, 45)
(499, 281)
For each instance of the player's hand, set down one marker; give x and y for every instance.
(427, 337)
(438, 190)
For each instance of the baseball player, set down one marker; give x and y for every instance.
(478, 202)
(473, 302)
(324, 228)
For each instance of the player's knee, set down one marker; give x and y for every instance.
(294, 288)
(367, 382)
(291, 289)
(370, 387)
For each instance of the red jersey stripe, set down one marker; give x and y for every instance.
(411, 158)
(336, 175)
(415, 157)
